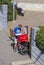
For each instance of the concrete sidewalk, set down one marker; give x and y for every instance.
(7, 55)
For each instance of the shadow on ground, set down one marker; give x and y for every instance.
(11, 39)
(12, 44)
(19, 51)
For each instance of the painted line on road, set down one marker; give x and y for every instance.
(31, 6)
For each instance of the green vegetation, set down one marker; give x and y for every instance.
(15, 14)
(5, 1)
(10, 8)
(10, 12)
(40, 38)
(0, 2)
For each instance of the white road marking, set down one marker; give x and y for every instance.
(31, 6)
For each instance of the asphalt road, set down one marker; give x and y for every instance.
(30, 19)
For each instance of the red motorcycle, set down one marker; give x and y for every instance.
(23, 43)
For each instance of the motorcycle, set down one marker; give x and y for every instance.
(23, 44)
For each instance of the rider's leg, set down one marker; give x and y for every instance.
(15, 45)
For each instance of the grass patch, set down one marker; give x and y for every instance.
(40, 38)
